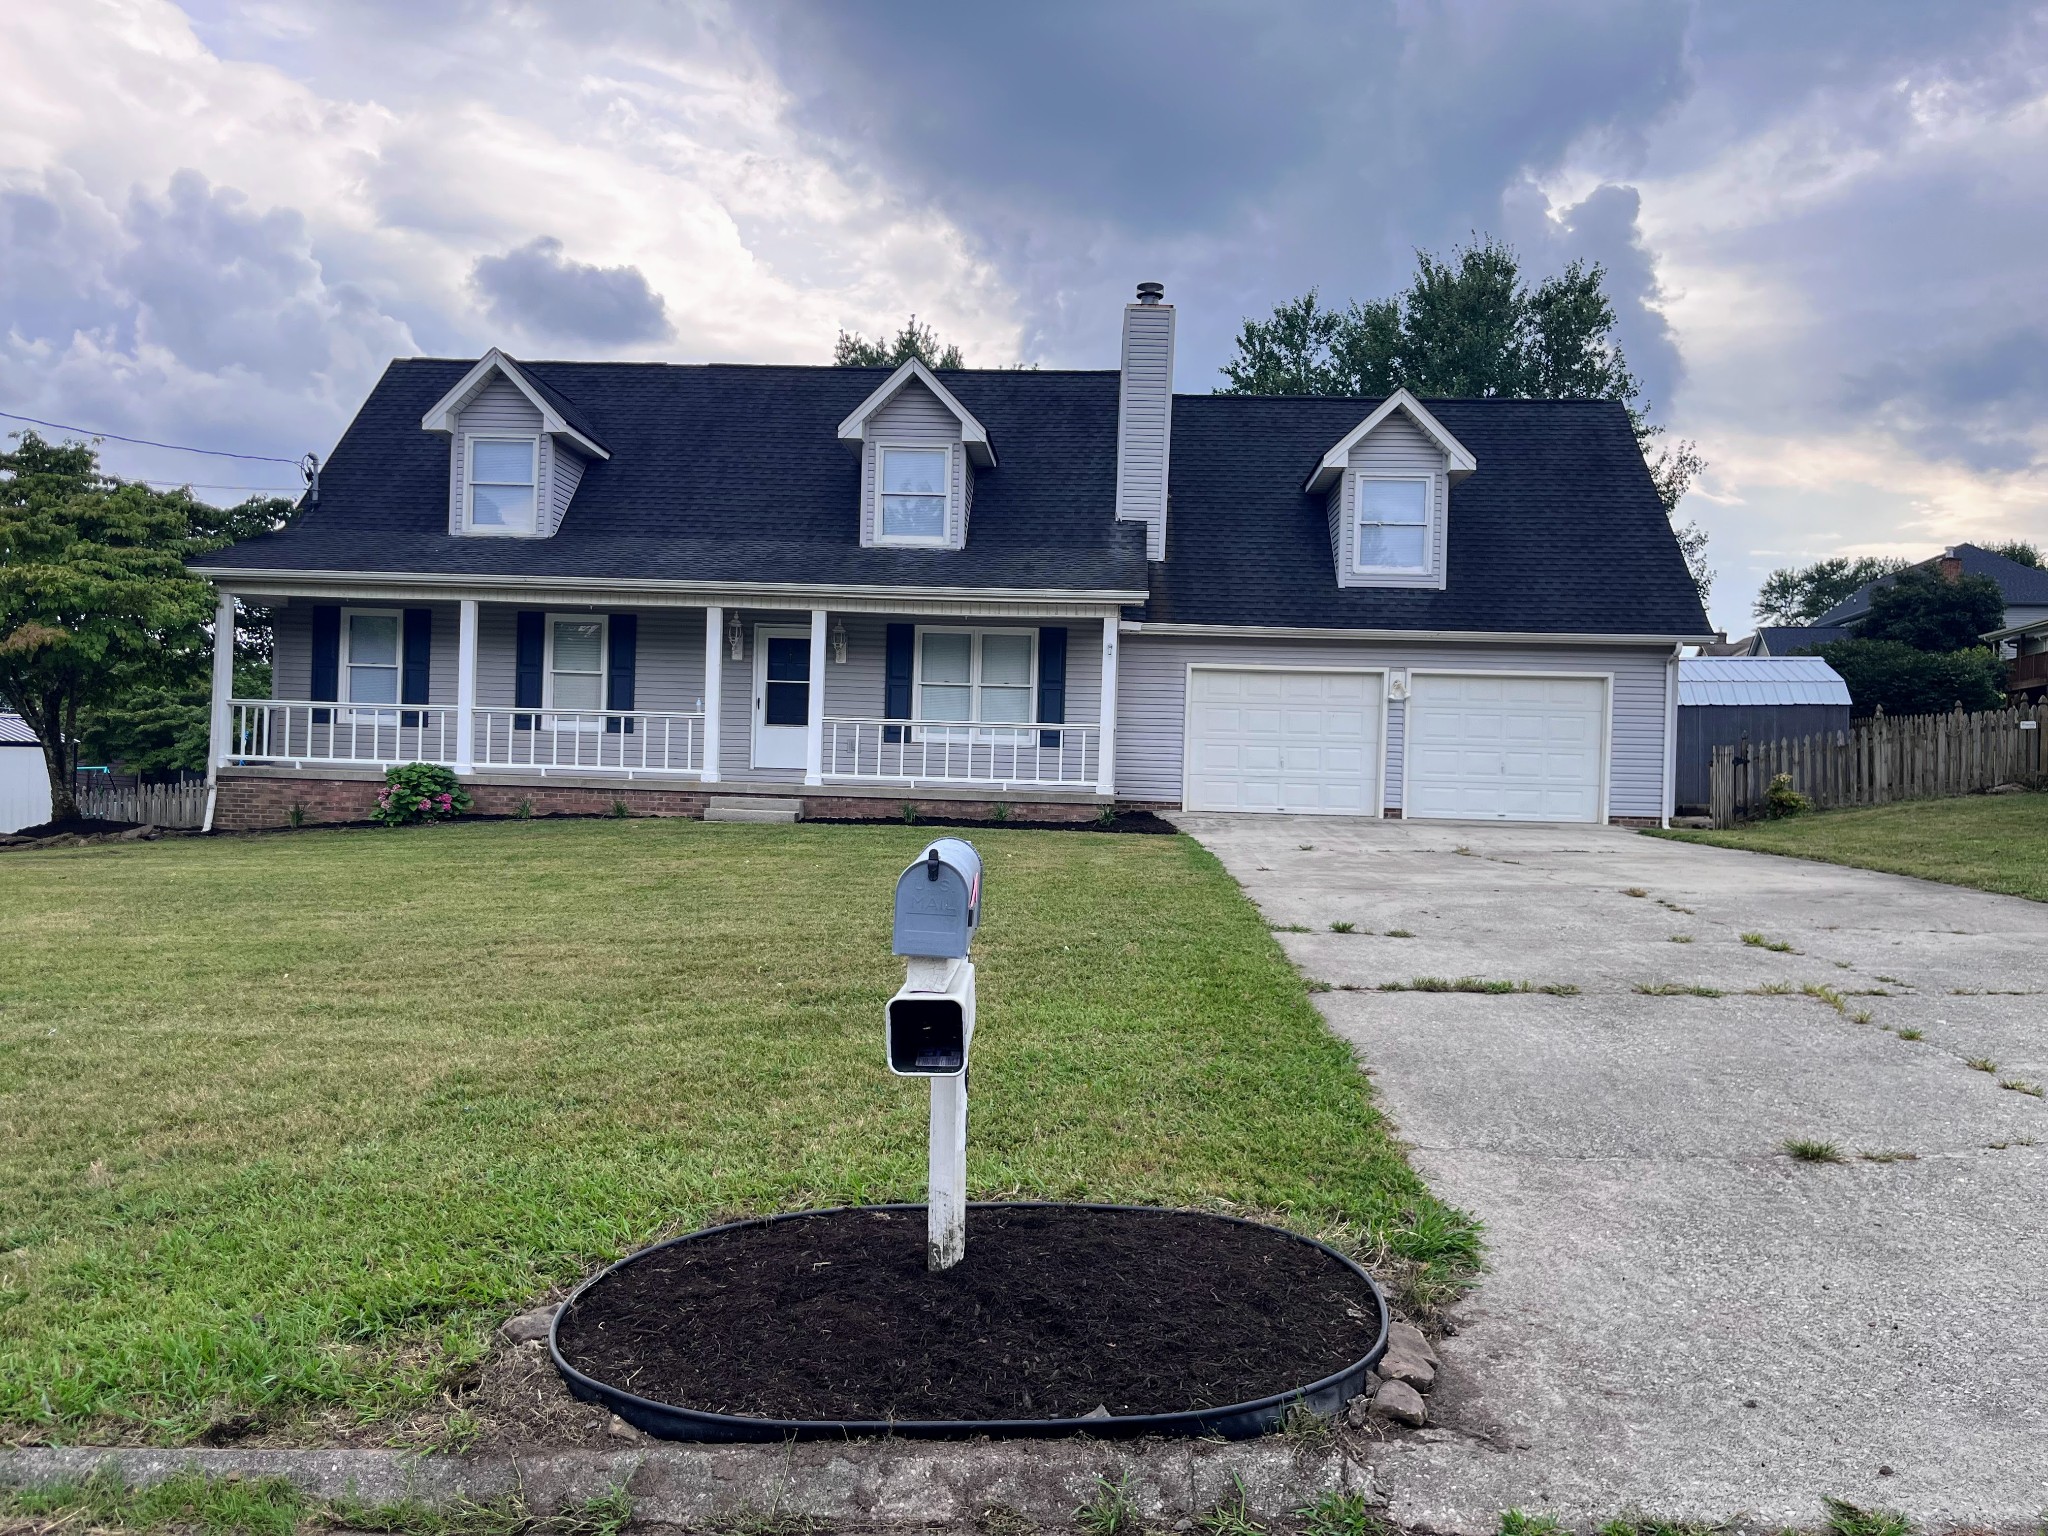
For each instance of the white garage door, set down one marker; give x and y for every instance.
(1284, 741)
(1492, 748)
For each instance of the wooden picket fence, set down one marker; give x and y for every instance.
(155, 805)
(1882, 759)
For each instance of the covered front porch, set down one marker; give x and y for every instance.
(986, 696)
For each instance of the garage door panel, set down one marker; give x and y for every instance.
(1492, 747)
(1297, 740)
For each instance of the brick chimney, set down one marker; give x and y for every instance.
(1144, 416)
(1950, 566)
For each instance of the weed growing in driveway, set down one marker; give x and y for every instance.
(1889, 1157)
(1860, 1016)
(1909, 1034)
(1981, 1064)
(1340, 1514)
(1637, 1526)
(1229, 1516)
(1399, 933)
(1343, 927)
(1672, 906)
(1846, 1519)
(1773, 989)
(1292, 928)
(1464, 851)
(1681, 938)
(2032, 1090)
(1894, 981)
(1110, 1510)
(1801, 1149)
(1821, 992)
(1676, 989)
(1476, 984)
(1519, 1522)
(1635, 890)
(1319, 986)
(1775, 946)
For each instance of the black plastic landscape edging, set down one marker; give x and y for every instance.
(1234, 1421)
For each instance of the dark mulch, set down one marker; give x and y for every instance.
(1054, 1311)
(1142, 822)
(77, 826)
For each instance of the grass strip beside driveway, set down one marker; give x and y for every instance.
(287, 1123)
(1992, 842)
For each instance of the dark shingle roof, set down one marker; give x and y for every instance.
(2022, 585)
(727, 473)
(1787, 639)
(1559, 529)
(564, 407)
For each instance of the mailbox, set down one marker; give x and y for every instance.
(929, 1032)
(938, 901)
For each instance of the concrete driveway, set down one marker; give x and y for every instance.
(1677, 1317)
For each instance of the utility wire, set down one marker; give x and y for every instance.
(143, 442)
(201, 485)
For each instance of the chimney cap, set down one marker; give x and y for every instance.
(1151, 293)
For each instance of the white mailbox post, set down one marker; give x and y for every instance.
(930, 1023)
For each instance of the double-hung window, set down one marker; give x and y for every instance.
(372, 641)
(983, 676)
(913, 495)
(574, 680)
(501, 484)
(1393, 525)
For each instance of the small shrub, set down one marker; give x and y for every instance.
(297, 814)
(619, 811)
(999, 812)
(415, 792)
(523, 811)
(1782, 800)
(1106, 816)
(910, 813)
(1803, 1150)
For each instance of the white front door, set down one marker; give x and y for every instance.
(1260, 740)
(782, 696)
(1488, 747)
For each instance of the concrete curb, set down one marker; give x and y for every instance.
(871, 1483)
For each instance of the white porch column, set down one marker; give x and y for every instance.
(714, 688)
(465, 688)
(220, 725)
(814, 745)
(1105, 752)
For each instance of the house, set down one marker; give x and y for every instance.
(1790, 639)
(24, 780)
(2025, 649)
(699, 588)
(2024, 587)
(1726, 700)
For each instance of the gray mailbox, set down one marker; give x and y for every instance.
(938, 901)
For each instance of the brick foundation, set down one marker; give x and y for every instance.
(247, 803)
(1635, 821)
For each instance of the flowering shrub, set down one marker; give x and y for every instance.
(419, 792)
(1781, 799)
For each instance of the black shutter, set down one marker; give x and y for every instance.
(897, 671)
(1052, 682)
(416, 660)
(528, 655)
(618, 688)
(326, 658)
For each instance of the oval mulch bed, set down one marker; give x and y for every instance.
(1056, 1312)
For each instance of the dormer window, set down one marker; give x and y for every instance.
(1393, 524)
(501, 484)
(914, 484)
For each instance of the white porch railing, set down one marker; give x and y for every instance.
(267, 730)
(936, 752)
(592, 741)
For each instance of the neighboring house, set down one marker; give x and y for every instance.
(24, 780)
(2025, 647)
(1790, 640)
(2024, 587)
(577, 583)
(1726, 700)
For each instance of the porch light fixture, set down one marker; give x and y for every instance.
(735, 638)
(838, 638)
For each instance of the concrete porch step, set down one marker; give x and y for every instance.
(758, 808)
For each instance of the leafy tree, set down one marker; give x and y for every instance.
(854, 350)
(1904, 680)
(1925, 610)
(97, 611)
(1469, 326)
(1801, 594)
(2019, 551)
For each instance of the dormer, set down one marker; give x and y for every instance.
(517, 452)
(1387, 484)
(920, 450)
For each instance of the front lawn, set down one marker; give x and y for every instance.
(288, 1123)
(1993, 842)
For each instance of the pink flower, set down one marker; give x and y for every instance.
(426, 804)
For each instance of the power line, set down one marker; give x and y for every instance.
(201, 485)
(143, 442)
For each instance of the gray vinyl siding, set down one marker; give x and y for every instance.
(499, 409)
(1395, 448)
(291, 663)
(566, 474)
(1144, 422)
(915, 418)
(1152, 701)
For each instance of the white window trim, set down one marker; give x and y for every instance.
(975, 729)
(1428, 565)
(547, 670)
(370, 709)
(945, 534)
(469, 522)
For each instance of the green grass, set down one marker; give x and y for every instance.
(288, 1123)
(1993, 842)
(1806, 1150)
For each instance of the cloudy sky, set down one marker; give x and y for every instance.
(1824, 222)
